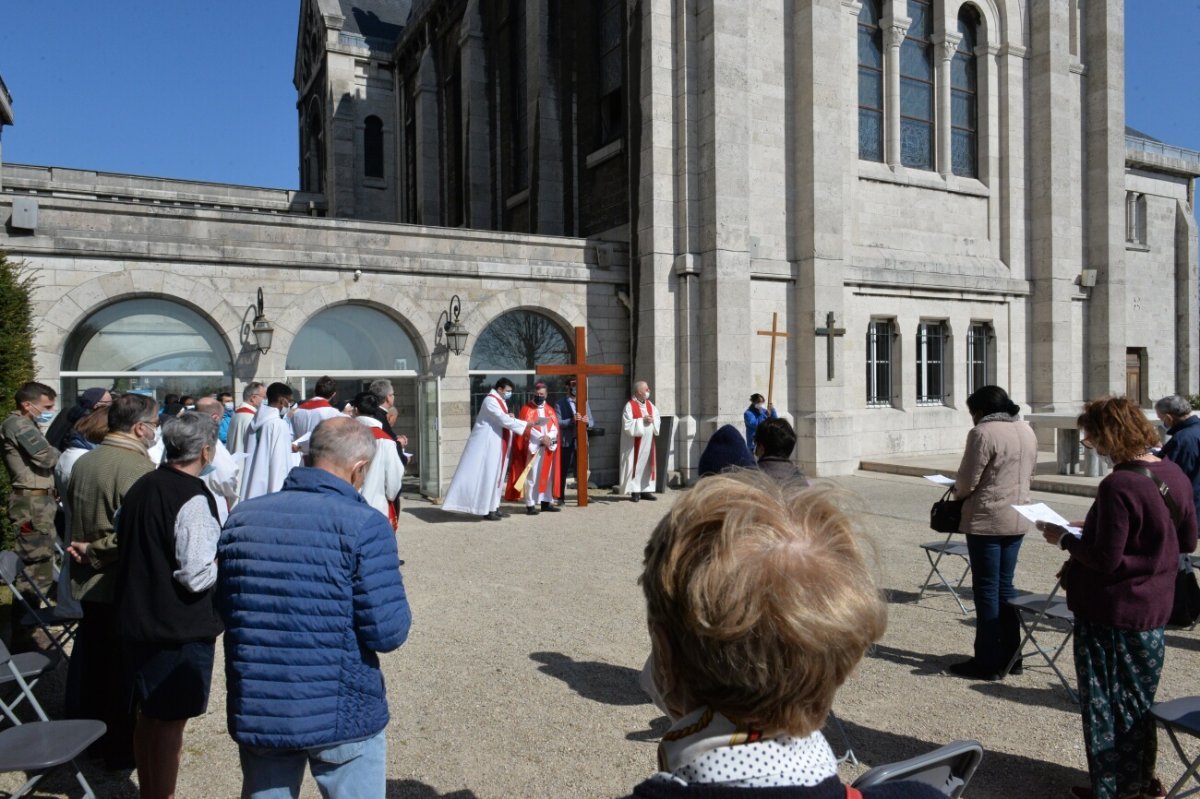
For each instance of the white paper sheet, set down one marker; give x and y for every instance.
(1041, 512)
(940, 479)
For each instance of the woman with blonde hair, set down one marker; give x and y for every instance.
(1120, 582)
(760, 602)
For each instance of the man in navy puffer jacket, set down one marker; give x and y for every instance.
(309, 589)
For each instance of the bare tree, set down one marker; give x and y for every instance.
(520, 340)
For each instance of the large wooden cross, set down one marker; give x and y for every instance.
(774, 333)
(829, 332)
(581, 370)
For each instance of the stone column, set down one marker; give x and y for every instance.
(546, 184)
(894, 29)
(947, 45)
(429, 172)
(1104, 182)
(1054, 219)
(1187, 318)
(477, 177)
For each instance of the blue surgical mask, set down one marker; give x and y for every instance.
(208, 469)
(45, 417)
(507, 395)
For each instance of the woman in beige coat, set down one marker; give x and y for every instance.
(996, 470)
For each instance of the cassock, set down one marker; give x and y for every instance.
(269, 455)
(311, 413)
(381, 486)
(637, 447)
(541, 444)
(235, 439)
(479, 479)
(222, 479)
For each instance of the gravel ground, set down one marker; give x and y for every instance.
(519, 678)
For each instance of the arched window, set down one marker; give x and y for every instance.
(512, 346)
(148, 345)
(373, 147)
(313, 159)
(353, 344)
(964, 97)
(916, 88)
(870, 83)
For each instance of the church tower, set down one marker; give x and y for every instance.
(346, 105)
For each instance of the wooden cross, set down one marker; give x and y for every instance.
(774, 333)
(829, 332)
(581, 370)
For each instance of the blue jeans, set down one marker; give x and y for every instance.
(997, 630)
(356, 770)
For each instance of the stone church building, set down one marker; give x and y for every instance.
(929, 196)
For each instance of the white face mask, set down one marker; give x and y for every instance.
(507, 395)
(229, 406)
(761, 406)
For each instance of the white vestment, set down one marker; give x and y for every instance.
(536, 453)
(311, 413)
(479, 479)
(382, 483)
(636, 476)
(235, 436)
(269, 455)
(222, 481)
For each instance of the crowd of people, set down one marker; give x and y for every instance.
(191, 520)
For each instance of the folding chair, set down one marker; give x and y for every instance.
(37, 747)
(948, 769)
(941, 549)
(27, 666)
(1044, 613)
(45, 615)
(1181, 715)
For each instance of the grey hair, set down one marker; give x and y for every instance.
(184, 436)
(1173, 405)
(381, 388)
(342, 442)
(250, 390)
(637, 383)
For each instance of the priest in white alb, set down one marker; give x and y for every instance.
(639, 426)
(252, 399)
(479, 480)
(315, 409)
(269, 455)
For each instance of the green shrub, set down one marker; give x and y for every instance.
(16, 353)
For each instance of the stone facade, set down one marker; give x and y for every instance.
(952, 181)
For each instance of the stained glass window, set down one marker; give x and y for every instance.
(916, 88)
(964, 97)
(870, 83)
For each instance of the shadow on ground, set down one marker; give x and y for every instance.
(431, 514)
(592, 679)
(658, 728)
(411, 789)
(999, 775)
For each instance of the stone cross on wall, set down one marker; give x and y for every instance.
(830, 332)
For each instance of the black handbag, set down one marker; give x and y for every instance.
(1186, 608)
(946, 514)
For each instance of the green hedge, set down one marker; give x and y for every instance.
(16, 352)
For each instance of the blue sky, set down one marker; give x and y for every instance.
(203, 91)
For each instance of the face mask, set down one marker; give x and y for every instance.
(45, 417)
(647, 395)
(650, 684)
(208, 469)
(229, 406)
(1107, 461)
(572, 390)
(760, 406)
(507, 395)
(538, 400)
(189, 407)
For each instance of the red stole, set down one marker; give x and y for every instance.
(393, 515)
(250, 411)
(637, 442)
(547, 475)
(314, 403)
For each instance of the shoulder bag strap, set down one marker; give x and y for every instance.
(1163, 490)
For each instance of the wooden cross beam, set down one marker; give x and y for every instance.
(581, 370)
(829, 332)
(774, 333)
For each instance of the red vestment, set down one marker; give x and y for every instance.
(548, 470)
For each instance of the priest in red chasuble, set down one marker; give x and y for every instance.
(537, 445)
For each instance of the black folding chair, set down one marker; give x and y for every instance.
(37, 747)
(934, 552)
(48, 617)
(1181, 715)
(948, 768)
(1044, 614)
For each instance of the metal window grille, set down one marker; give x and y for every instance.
(879, 364)
(931, 347)
(979, 359)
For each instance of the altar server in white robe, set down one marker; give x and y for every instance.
(252, 399)
(269, 455)
(639, 427)
(222, 476)
(381, 486)
(483, 470)
(315, 409)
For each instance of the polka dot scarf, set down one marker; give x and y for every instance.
(706, 747)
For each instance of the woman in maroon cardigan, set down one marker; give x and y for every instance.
(1120, 584)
